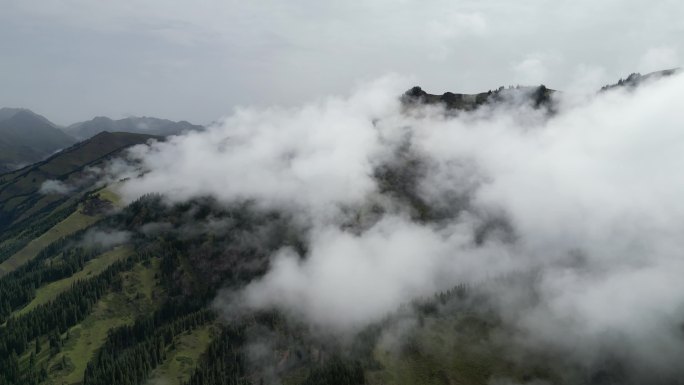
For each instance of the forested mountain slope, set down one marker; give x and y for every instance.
(26, 137)
(139, 125)
(38, 197)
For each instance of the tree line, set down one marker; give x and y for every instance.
(129, 356)
(16, 237)
(18, 288)
(54, 318)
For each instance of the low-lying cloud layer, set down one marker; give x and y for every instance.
(53, 186)
(105, 238)
(590, 199)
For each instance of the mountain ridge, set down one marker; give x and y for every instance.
(537, 96)
(140, 125)
(20, 190)
(27, 137)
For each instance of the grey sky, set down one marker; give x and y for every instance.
(73, 59)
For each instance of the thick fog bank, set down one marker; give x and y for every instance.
(402, 203)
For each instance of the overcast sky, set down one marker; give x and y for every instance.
(71, 60)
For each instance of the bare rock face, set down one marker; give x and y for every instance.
(534, 96)
(537, 97)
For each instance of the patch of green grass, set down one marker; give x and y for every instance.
(85, 338)
(183, 356)
(38, 206)
(108, 194)
(13, 202)
(93, 267)
(40, 359)
(74, 222)
(447, 350)
(115, 309)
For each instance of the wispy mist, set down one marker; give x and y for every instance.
(104, 238)
(587, 199)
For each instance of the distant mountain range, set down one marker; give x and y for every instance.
(143, 125)
(27, 137)
(20, 195)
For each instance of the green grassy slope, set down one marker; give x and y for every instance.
(83, 217)
(93, 267)
(74, 222)
(449, 349)
(183, 356)
(20, 196)
(140, 295)
(26, 137)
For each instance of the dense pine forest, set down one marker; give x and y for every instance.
(229, 252)
(33, 344)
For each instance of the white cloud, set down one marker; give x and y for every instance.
(456, 25)
(443, 33)
(659, 58)
(591, 194)
(53, 186)
(105, 238)
(349, 280)
(314, 158)
(535, 68)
